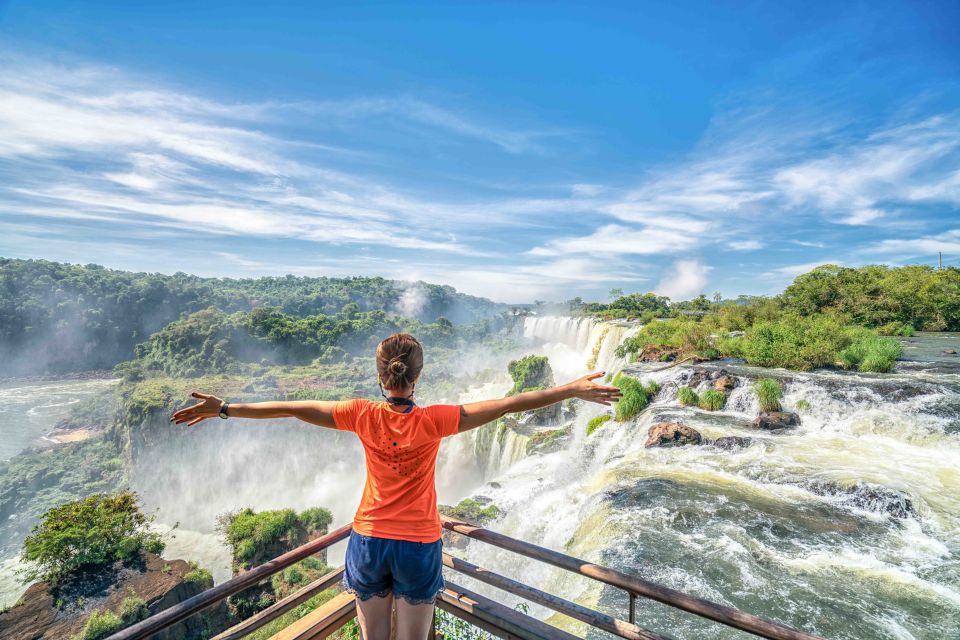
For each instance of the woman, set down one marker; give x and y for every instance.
(394, 551)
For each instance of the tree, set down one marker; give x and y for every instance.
(616, 293)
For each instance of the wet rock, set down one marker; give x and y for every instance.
(667, 434)
(866, 496)
(771, 420)
(949, 352)
(495, 485)
(724, 383)
(732, 442)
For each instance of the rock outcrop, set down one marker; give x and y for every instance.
(730, 443)
(775, 420)
(46, 613)
(667, 434)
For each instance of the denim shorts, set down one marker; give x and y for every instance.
(378, 567)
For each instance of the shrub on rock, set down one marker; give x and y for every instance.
(769, 392)
(687, 397)
(712, 400)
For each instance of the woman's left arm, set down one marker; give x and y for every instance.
(477, 414)
(318, 412)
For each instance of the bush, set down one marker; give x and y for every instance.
(633, 399)
(530, 372)
(133, 609)
(596, 423)
(316, 519)
(769, 392)
(198, 576)
(95, 531)
(101, 624)
(687, 396)
(713, 400)
(471, 511)
(872, 353)
(247, 531)
(896, 329)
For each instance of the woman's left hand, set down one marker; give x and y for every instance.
(208, 407)
(585, 389)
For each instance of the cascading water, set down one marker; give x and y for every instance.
(848, 526)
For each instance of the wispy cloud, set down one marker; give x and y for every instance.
(684, 280)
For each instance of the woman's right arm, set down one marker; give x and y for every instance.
(316, 412)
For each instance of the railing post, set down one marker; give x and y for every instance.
(633, 608)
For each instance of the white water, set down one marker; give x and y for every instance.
(742, 527)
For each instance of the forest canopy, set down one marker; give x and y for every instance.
(58, 318)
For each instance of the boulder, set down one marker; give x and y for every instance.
(724, 383)
(667, 434)
(950, 352)
(732, 442)
(771, 420)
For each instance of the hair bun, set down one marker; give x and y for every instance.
(397, 367)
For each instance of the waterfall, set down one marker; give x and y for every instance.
(576, 345)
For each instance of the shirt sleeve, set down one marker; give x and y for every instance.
(447, 419)
(345, 414)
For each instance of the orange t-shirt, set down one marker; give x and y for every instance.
(400, 497)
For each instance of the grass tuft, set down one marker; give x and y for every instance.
(769, 392)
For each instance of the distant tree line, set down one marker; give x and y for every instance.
(57, 318)
(212, 341)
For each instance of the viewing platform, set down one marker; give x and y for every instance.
(476, 609)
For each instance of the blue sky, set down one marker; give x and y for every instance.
(516, 151)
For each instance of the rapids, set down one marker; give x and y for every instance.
(774, 528)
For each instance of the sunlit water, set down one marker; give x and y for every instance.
(745, 528)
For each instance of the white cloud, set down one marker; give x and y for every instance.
(794, 270)
(616, 239)
(686, 279)
(926, 247)
(746, 245)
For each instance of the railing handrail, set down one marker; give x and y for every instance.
(632, 584)
(210, 597)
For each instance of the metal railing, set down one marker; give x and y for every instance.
(474, 608)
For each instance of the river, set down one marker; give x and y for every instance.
(780, 528)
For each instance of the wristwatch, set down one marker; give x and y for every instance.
(223, 410)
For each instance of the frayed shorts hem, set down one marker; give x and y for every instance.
(359, 595)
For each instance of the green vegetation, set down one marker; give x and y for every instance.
(769, 392)
(634, 396)
(471, 511)
(547, 440)
(198, 576)
(275, 626)
(115, 310)
(792, 342)
(133, 609)
(101, 624)
(712, 400)
(250, 533)
(34, 482)
(92, 532)
(687, 397)
(872, 353)
(829, 317)
(877, 295)
(643, 306)
(529, 373)
(296, 576)
(802, 405)
(596, 423)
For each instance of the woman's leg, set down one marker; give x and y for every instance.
(374, 616)
(413, 620)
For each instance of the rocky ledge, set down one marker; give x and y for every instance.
(47, 613)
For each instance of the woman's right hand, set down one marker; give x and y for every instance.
(208, 407)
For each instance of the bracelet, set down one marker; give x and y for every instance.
(223, 410)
